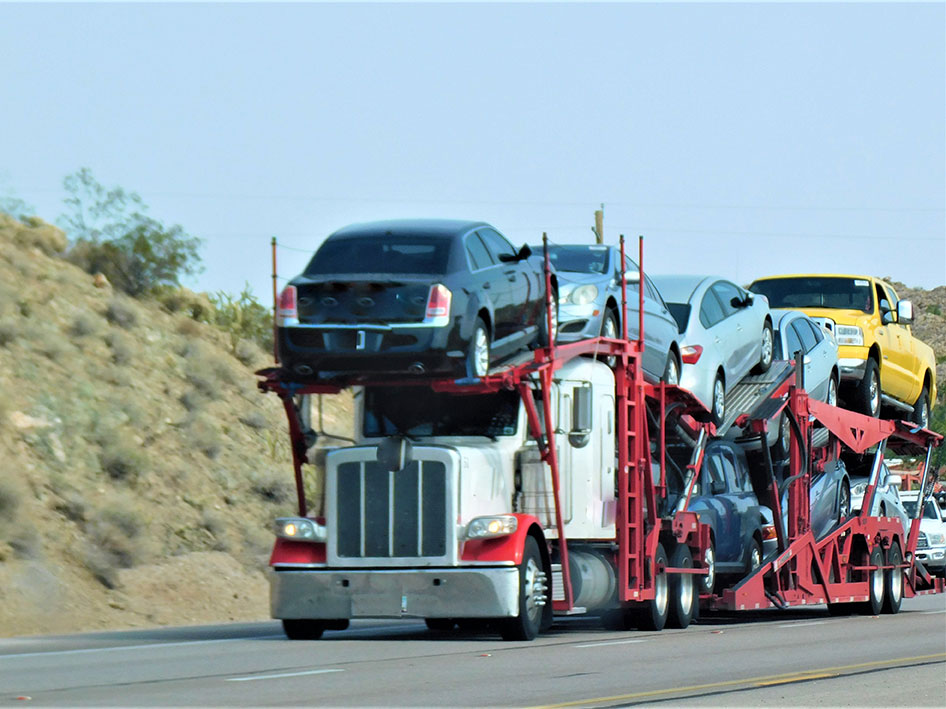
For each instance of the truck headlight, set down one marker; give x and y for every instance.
(300, 529)
(859, 489)
(936, 538)
(583, 295)
(849, 335)
(490, 527)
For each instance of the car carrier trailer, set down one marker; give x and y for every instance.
(457, 531)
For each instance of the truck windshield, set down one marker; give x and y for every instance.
(418, 411)
(929, 510)
(817, 292)
(393, 255)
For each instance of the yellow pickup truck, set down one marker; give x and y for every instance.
(881, 362)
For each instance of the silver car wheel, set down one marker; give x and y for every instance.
(832, 392)
(766, 346)
(672, 375)
(719, 399)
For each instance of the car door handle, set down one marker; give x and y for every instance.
(511, 277)
(486, 285)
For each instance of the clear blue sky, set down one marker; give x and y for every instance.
(741, 139)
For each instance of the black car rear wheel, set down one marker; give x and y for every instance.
(477, 356)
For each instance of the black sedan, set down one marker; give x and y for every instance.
(420, 296)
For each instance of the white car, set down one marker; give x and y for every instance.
(725, 332)
(931, 545)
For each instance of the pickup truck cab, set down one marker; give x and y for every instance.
(880, 361)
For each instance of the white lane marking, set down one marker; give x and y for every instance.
(153, 646)
(799, 625)
(280, 676)
(612, 642)
(930, 612)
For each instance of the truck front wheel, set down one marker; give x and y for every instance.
(535, 606)
(309, 628)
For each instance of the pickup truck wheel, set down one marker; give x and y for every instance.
(868, 390)
(534, 600)
(893, 581)
(921, 410)
(768, 350)
(682, 591)
(477, 356)
(755, 556)
(708, 583)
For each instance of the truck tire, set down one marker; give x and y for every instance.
(309, 628)
(893, 580)
(867, 393)
(921, 409)
(534, 598)
(768, 350)
(683, 596)
(876, 581)
(652, 615)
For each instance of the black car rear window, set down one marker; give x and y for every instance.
(815, 292)
(399, 255)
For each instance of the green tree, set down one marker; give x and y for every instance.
(112, 234)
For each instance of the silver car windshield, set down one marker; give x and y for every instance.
(579, 259)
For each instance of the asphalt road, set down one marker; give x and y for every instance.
(795, 657)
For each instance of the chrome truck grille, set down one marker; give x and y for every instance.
(377, 516)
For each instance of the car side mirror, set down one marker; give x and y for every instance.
(905, 312)
(632, 276)
(524, 253)
(894, 480)
(718, 487)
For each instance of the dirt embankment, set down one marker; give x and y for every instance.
(140, 467)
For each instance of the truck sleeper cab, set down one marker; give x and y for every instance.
(433, 514)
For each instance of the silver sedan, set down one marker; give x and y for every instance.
(589, 305)
(726, 332)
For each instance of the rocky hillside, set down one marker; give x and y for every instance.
(140, 468)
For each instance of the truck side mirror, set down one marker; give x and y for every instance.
(905, 312)
(580, 434)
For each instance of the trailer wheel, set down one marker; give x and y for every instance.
(682, 593)
(893, 588)
(309, 628)
(652, 615)
(533, 597)
(875, 585)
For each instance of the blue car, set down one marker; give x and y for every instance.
(725, 500)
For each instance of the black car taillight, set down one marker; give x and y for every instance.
(438, 305)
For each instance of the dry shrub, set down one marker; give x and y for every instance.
(9, 331)
(72, 506)
(192, 400)
(204, 369)
(49, 344)
(47, 238)
(254, 420)
(121, 314)
(197, 306)
(190, 328)
(120, 346)
(247, 352)
(122, 461)
(203, 435)
(116, 540)
(273, 488)
(83, 325)
(11, 494)
(26, 543)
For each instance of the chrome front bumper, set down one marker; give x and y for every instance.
(934, 557)
(852, 368)
(401, 593)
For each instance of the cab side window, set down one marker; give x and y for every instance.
(713, 472)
